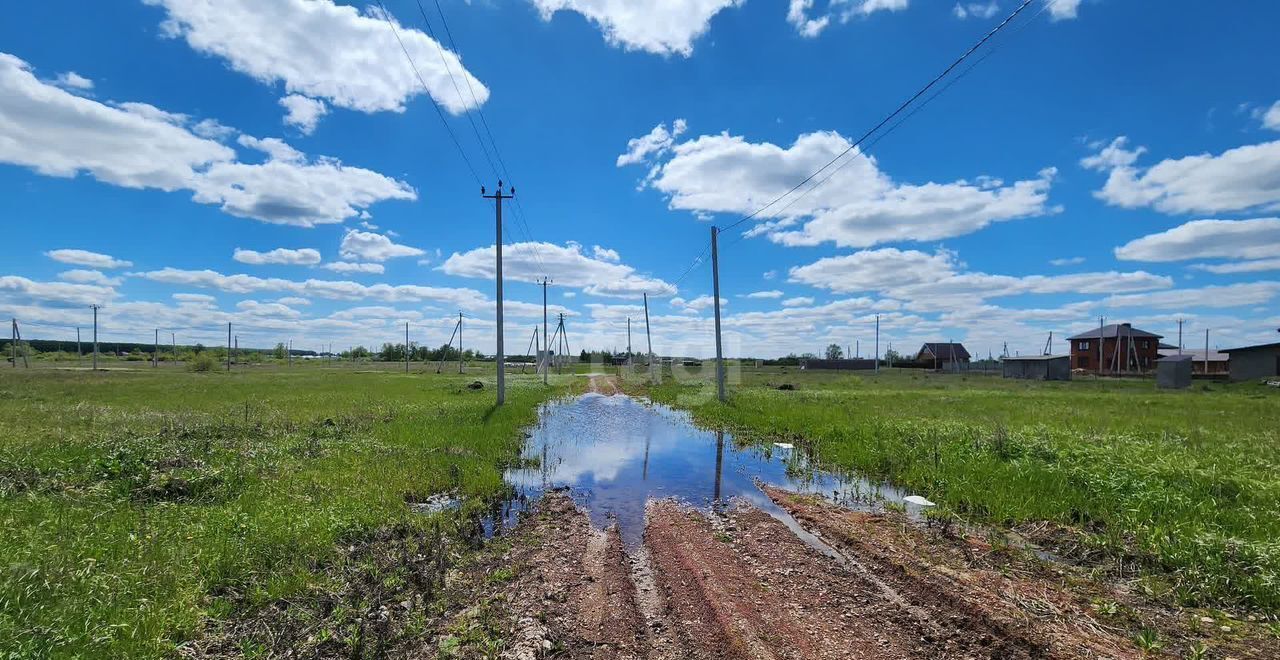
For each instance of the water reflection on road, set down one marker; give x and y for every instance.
(614, 453)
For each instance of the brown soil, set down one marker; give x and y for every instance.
(734, 584)
(1061, 609)
(606, 385)
(741, 585)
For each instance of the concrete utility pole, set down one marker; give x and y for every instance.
(1101, 320)
(877, 355)
(406, 349)
(1179, 336)
(497, 197)
(155, 351)
(228, 346)
(541, 361)
(95, 335)
(173, 338)
(13, 342)
(715, 285)
(79, 353)
(857, 347)
(628, 341)
(459, 342)
(1206, 351)
(648, 337)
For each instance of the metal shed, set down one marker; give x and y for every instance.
(1038, 367)
(1174, 372)
(1251, 362)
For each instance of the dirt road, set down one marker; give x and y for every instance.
(829, 582)
(740, 584)
(603, 384)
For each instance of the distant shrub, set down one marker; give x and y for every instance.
(202, 362)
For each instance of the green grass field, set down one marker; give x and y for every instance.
(138, 506)
(1183, 485)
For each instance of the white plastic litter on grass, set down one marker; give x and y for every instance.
(784, 445)
(917, 500)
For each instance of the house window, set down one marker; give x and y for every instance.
(1082, 346)
(1144, 343)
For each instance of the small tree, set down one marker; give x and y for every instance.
(834, 352)
(280, 352)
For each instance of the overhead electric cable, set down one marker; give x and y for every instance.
(897, 111)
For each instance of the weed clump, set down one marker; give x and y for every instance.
(202, 362)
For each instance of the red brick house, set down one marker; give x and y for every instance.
(1124, 349)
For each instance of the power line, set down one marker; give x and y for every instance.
(863, 152)
(897, 111)
(449, 70)
(522, 224)
(386, 16)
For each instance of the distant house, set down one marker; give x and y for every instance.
(1250, 362)
(1218, 364)
(942, 354)
(1124, 349)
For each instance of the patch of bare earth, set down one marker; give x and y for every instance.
(1054, 610)
(570, 594)
(744, 586)
(606, 385)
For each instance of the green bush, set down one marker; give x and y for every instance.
(202, 362)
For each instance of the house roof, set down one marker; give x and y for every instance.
(1197, 354)
(1026, 358)
(1116, 329)
(1185, 357)
(1250, 348)
(945, 350)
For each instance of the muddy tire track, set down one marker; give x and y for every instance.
(744, 586)
(1011, 610)
(572, 594)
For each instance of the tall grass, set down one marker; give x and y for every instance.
(1185, 485)
(137, 505)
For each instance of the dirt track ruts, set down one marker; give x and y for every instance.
(741, 585)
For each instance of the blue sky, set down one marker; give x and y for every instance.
(278, 165)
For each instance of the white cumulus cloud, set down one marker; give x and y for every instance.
(566, 264)
(355, 267)
(82, 276)
(1062, 10)
(74, 81)
(284, 256)
(369, 246)
(136, 145)
(808, 25)
(87, 258)
(663, 27)
(656, 142)
(302, 112)
(859, 206)
(1239, 179)
(1257, 238)
(323, 50)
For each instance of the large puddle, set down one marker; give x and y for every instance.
(613, 453)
